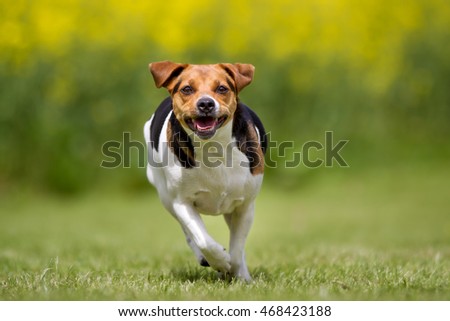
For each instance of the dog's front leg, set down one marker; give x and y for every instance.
(195, 230)
(198, 254)
(239, 223)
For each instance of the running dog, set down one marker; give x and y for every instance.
(206, 156)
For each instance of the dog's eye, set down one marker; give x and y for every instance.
(222, 90)
(187, 90)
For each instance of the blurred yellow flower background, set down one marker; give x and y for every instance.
(358, 67)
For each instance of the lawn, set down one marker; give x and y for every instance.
(381, 234)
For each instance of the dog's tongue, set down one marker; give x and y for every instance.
(205, 123)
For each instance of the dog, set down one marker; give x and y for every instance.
(206, 156)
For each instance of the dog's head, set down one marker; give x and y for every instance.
(204, 97)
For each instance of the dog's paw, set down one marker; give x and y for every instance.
(225, 276)
(235, 277)
(203, 262)
(217, 258)
(241, 275)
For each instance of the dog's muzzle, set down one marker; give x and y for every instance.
(207, 121)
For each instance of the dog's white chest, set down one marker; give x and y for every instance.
(222, 188)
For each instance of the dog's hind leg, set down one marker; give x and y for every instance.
(239, 223)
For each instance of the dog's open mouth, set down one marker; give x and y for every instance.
(205, 126)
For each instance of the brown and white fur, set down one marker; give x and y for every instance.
(207, 156)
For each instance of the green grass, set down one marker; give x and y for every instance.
(377, 235)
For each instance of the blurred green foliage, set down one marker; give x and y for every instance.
(73, 75)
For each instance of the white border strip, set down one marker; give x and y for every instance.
(233, 310)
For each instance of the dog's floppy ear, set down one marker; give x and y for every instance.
(241, 73)
(164, 72)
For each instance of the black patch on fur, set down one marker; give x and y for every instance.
(181, 144)
(244, 117)
(262, 132)
(159, 117)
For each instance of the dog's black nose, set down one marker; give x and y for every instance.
(206, 104)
